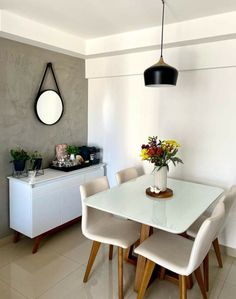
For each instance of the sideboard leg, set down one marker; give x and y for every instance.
(37, 241)
(16, 237)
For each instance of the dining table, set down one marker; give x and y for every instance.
(174, 214)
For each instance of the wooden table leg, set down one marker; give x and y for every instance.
(145, 230)
(16, 237)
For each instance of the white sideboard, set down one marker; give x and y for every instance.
(50, 202)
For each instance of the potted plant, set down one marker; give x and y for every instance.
(36, 160)
(19, 157)
(72, 150)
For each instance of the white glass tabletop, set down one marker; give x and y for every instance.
(174, 214)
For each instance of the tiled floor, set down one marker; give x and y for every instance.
(57, 270)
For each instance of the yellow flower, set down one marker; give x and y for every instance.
(144, 154)
(172, 143)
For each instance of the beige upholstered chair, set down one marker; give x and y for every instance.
(126, 175)
(194, 228)
(102, 227)
(180, 254)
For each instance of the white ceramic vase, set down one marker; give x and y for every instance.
(72, 157)
(160, 178)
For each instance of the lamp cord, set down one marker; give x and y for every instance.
(162, 25)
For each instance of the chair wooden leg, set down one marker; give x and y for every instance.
(217, 251)
(198, 275)
(182, 287)
(127, 253)
(120, 272)
(93, 253)
(206, 272)
(110, 252)
(189, 281)
(146, 277)
(162, 273)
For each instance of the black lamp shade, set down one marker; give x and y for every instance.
(160, 74)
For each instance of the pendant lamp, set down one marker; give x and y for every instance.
(161, 74)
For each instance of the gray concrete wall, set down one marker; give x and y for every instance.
(21, 71)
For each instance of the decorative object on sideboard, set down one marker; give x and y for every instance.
(49, 105)
(61, 151)
(71, 157)
(20, 167)
(19, 158)
(161, 74)
(31, 175)
(36, 163)
(72, 151)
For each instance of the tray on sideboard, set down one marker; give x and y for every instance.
(70, 168)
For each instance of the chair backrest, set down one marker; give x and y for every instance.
(229, 200)
(205, 237)
(90, 215)
(126, 175)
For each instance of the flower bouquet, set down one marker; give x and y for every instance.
(160, 153)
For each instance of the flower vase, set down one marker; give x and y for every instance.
(160, 178)
(72, 157)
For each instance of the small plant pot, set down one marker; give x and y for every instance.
(72, 157)
(37, 163)
(19, 165)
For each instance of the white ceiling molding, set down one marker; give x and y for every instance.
(27, 31)
(196, 31)
(186, 58)
(201, 30)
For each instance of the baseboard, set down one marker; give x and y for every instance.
(6, 240)
(228, 250)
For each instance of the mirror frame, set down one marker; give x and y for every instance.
(35, 106)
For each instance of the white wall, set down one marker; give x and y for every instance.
(199, 113)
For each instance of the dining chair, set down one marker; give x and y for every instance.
(102, 227)
(194, 228)
(125, 175)
(179, 254)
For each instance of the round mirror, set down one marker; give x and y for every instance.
(49, 107)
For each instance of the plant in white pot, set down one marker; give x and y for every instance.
(72, 150)
(160, 153)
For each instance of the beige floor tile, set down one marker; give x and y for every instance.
(215, 271)
(69, 287)
(80, 253)
(167, 290)
(12, 251)
(34, 274)
(7, 293)
(231, 277)
(102, 283)
(64, 240)
(215, 289)
(228, 291)
(57, 271)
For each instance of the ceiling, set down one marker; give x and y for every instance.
(96, 18)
